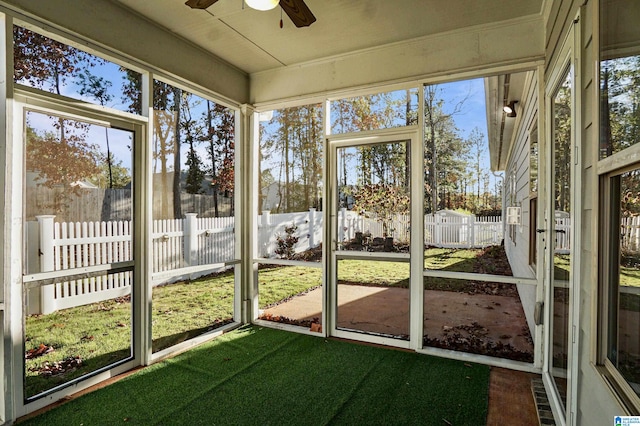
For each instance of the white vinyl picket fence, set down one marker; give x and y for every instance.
(196, 246)
(630, 233)
(454, 230)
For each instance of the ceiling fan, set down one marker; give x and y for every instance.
(297, 10)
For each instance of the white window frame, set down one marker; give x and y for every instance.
(606, 169)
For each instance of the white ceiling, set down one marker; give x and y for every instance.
(253, 41)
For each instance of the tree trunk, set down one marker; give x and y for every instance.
(177, 204)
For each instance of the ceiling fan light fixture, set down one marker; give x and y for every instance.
(262, 4)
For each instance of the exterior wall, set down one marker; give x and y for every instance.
(116, 28)
(518, 169)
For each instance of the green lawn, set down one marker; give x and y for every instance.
(373, 273)
(187, 309)
(277, 283)
(100, 333)
(447, 259)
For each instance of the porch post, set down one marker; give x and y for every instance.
(437, 224)
(264, 232)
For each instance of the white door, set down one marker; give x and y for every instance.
(81, 265)
(563, 217)
(376, 253)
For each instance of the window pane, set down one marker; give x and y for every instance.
(291, 295)
(373, 297)
(476, 317)
(193, 231)
(562, 257)
(56, 67)
(78, 338)
(619, 75)
(371, 112)
(290, 214)
(477, 177)
(78, 213)
(291, 155)
(77, 187)
(624, 330)
(374, 197)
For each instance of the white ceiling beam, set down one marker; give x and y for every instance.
(479, 48)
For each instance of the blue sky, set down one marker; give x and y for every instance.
(473, 112)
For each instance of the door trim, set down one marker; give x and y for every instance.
(26, 101)
(415, 257)
(567, 59)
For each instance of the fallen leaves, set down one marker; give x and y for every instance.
(67, 365)
(473, 338)
(291, 321)
(42, 349)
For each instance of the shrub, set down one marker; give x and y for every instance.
(285, 245)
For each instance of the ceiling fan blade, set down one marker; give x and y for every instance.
(200, 4)
(298, 11)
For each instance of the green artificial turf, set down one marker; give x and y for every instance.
(261, 376)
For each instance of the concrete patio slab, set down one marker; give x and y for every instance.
(385, 310)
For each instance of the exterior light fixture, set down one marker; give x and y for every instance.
(262, 4)
(510, 108)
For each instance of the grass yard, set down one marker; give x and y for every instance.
(187, 309)
(279, 283)
(99, 334)
(373, 273)
(448, 259)
(75, 341)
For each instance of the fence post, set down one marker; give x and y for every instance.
(312, 220)
(343, 224)
(191, 239)
(437, 223)
(472, 230)
(47, 262)
(264, 234)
